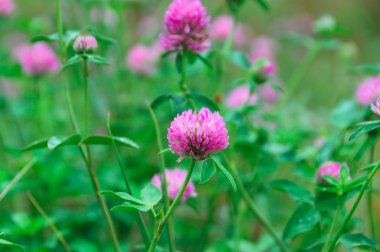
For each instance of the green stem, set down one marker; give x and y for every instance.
(40, 104)
(183, 82)
(372, 221)
(353, 208)
(163, 179)
(73, 121)
(172, 207)
(88, 162)
(331, 231)
(230, 39)
(90, 167)
(60, 29)
(2, 150)
(300, 72)
(140, 221)
(260, 217)
(93, 177)
(223, 55)
(101, 201)
(51, 224)
(86, 103)
(17, 178)
(239, 216)
(74, 124)
(200, 243)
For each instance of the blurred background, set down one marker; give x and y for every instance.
(59, 179)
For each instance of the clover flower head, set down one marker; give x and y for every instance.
(332, 169)
(186, 24)
(85, 43)
(197, 134)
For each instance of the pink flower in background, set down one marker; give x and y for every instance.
(223, 26)
(268, 93)
(375, 107)
(331, 169)
(143, 59)
(186, 24)
(262, 47)
(262, 59)
(6, 7)
(197, 134)
(240, 96)
(85, 44)
(37, 59)
(175, 179)
(368, 91)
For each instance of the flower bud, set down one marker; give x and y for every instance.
(85, 43)
(331, 169)
(261, 70)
